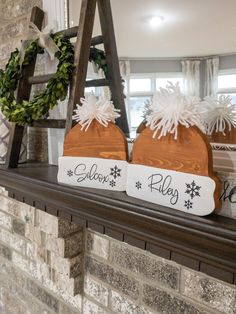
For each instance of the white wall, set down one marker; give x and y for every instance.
(55, 11)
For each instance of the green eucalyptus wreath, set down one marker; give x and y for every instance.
(56, 89)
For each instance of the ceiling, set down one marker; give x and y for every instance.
(190, 27)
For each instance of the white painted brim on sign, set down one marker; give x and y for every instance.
(182, 191)
(99, 173)
(228, 194)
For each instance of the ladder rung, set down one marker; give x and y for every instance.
(50, 123)
(97, 83)
(98, 40)
(40, 79)
(72, 32)
(69, 32)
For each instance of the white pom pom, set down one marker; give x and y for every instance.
(100, 109)
(169, 108)
(220, 114)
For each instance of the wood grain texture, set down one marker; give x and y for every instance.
(228, 138)
(49, 123)
(73, 31)
(190, 153)
(23, 93)
(141, 127)
(98, 141)
(209, 240)
(82, 50)
(113, 69)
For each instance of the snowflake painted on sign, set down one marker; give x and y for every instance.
(112, 183)
(138, 185)
(70, 173)
(188, 204)
(115, 172)
(192, 189)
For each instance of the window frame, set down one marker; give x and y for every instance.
(229, 90)
(154, 87)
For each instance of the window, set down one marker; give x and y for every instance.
(227, 83)
(163, 81)
(140, 85)
(91, 75)
(89, 90)
(136, 108)
(140, 88)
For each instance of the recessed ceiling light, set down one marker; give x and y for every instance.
(156, 21)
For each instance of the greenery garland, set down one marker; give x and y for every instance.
(28, 111)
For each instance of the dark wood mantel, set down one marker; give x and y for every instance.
(207, 244)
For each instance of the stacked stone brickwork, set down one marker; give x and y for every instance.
(41, 261)
(49, 265)
(14, 17)
(122, 279)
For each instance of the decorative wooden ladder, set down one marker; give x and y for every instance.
(82, 49)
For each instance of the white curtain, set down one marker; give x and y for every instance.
(124, 68)
(191, 72)
(125, 72)
(211, 84)
(125, 75)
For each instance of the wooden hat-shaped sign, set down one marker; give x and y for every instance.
(172, 159)
(220, 119)
(95, 150)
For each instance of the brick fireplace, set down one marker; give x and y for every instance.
(50, 265)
